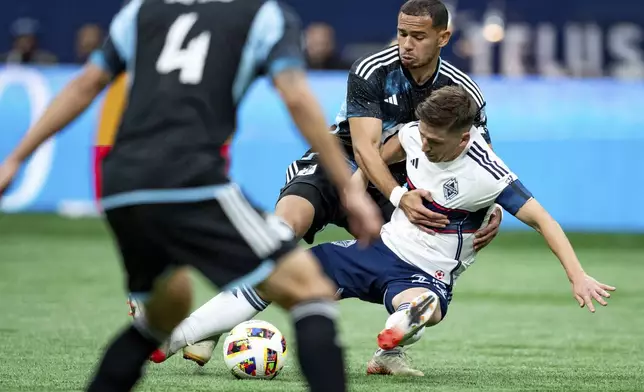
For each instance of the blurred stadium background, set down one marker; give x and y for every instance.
(564, 84)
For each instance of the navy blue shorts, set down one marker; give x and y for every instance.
(375, 274)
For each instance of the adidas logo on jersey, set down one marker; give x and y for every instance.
(414, 162)
(392, 100)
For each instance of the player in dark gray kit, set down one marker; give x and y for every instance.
(167, 196)
(383, 90)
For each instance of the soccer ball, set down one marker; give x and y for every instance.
(255, 349)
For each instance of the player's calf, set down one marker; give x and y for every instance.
(167, 305)
(170, 302)
(299, 285)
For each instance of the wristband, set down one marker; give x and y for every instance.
(396, 195)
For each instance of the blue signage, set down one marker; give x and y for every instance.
(576, 144)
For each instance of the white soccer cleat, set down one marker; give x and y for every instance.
(402, 326)
(392, 362)
(200, 352)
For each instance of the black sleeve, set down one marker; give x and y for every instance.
(481, 123)
(287, 52)
(364, 96)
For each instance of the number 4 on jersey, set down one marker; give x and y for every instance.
(192, 59)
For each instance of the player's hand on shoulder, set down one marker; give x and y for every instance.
(365, 220)
(412, 204)
(8, 170)
(586, 288)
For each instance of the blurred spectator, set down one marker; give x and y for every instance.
(25, 45)
(320, 48)
(88, 39)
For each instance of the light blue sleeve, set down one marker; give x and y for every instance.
(274, 45)
(119, 49)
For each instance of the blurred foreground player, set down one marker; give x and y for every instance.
(108, 124)
(410, 271)
(166, 195)
(111, 115)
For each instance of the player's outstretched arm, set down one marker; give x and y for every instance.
(75, 97)
(585, 288)
(307, 114)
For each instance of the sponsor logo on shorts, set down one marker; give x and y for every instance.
(345, 243)
(420, 279)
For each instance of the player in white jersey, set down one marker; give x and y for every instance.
(410, 271)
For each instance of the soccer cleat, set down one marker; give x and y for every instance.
(136, 308)
(161, 354)
(200, 352)
(392, 362)
(408, 322)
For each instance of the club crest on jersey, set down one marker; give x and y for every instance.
(450, 189)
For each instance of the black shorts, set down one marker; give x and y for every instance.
(227, 239)
(307, 178)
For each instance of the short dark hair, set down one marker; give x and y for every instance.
(449, 107)
(435, 9)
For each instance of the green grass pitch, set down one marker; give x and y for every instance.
(512, 325)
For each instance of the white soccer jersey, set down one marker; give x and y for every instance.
(465, 190)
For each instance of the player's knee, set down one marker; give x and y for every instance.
(298, 278)
(297, 212)
(170, 301)
(436, 318)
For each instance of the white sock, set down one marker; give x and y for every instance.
(217, 316)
